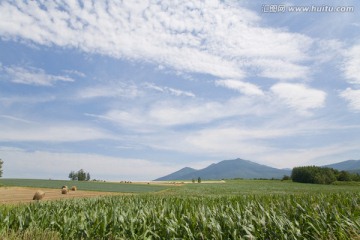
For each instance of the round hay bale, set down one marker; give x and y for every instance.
(39, 195)
(64, 191)
(73, 188)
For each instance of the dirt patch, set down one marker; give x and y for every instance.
(22, 194)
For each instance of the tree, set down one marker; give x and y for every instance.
(73, 175)
(1, 169)
(199, 179)
(344, 176)
(80, 175)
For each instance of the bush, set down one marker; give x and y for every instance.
(286, 177)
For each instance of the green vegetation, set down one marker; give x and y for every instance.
(84, 185)
(332, 216)
(260, 187)
(80, 175)
(321, 175)
(1, 169)
(237, 209)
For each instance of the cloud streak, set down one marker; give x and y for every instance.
(242, 87)
(33, 76)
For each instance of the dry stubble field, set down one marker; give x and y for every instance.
(11, 195)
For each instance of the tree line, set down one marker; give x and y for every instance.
(321, 175)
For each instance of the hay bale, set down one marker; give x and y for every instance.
(64, 191)
(39, 195)
(73, 188)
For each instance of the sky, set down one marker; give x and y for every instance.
(135, 90)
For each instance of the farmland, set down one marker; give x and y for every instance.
(244, 209)
(84, 185)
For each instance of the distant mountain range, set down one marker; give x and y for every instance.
(239, 168)
(352, 166)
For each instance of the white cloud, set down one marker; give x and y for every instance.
(351, 69)
(353, 97)
(299, 96)
(172, 91)
(280, 69)
(351, 65)
(242, 87)
(187, 36)
(164, 114)
(33, 76)
(75, 72)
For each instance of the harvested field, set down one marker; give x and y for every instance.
(23, 194)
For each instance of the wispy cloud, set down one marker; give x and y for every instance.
(111, 90)
(281, 69)
(21, 130)
(185, 36)
(32, 76)
(172, 91)
(352, 97)
(299, 97)
(12, 100)
(352, 65)
(75, 72)
(15, 119)
(167, 114)
(242, 87)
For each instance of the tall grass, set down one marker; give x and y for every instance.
(301, 216)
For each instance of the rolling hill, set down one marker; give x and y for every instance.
(227, 169)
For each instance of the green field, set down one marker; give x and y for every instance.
(266, 187)
(242, 209)
(84, 185)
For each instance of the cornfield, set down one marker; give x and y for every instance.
(319, 216)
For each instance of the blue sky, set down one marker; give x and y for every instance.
(137, 90)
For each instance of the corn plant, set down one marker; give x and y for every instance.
(320, 216)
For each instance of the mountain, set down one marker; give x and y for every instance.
(227, 169)
(349, 165)
(177, 175)
(239, 168)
